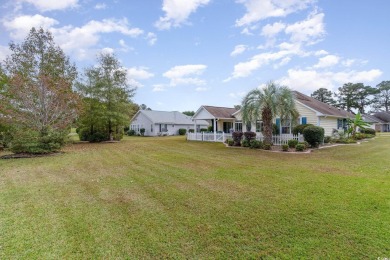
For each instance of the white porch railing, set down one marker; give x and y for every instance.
(221, 137)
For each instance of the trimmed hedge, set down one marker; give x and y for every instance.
(292, 143)
(285, 148)
(131, 132)
(300, 147)
(369, 131)
(299, 129)
(182, 131)
(314, 135)
(255, 144)
(249, 135)
(245, 143)
(237, 136)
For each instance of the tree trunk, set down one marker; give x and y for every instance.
(266, 115)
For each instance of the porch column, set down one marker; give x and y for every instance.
(215, 129)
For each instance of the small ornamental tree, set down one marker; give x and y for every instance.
(38, 95)
(314, 135)
(237, 136)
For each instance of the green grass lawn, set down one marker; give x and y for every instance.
(169, 198)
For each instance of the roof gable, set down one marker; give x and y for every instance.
(221, 112)
(321, 107)
(384, 116)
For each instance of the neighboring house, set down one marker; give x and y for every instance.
(162, 122)
(383, 124)
(311, 111)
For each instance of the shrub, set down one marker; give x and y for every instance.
(300, 147)
(203, 130)
(285, 147)
(368, 131)
(182, 131)
(359, 136)
(314, 135)
(191, 131)
(28, 141)
(131, 132)
(305, 144)
(327, 139)
(275, 130)
(267, 146)
(299, 129)
(98, 135)
(142, 131)
(230, 142)
(245, 143)
(249, 135)
(237, 135)
(255, 144)
(210, 128)
(370, 136)
(6, 135)
(346, 141)
(292, 143)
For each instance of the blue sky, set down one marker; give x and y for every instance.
(182, 54)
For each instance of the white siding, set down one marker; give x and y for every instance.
(304, 111)
(143, 122)
(328, 123)
(203, 114)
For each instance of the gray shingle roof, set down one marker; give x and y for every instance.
(322, 107)
(221, 112)
(170, 117)
(384, 116)
(372, 119)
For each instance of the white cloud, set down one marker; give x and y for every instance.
(74, 40)
(4, 52)
(186, 74)
(310, 30)
(152, 38)
(107, 50)
(348, 62)
(245, 69)
(139, 73)
(237, 95)
(257, 10)
(125, 47)
(20, 26)
(50, 5)
(177, 12)
(327, 61)
(310, 80)
(200, 89)
(159, 88)
(100, 6)
(238, 49)
(270, 30)
(132, 82)
(321, 53)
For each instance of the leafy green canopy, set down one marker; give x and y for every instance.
(107, 97)
(267, 103)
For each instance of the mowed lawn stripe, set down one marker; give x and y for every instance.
(166, 197)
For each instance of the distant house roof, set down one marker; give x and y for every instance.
(168, 117)
(372, 119)
(221, 112)
(384, 116)
(321, 107)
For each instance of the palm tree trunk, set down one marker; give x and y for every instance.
(266, 115)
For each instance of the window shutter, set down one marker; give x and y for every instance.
(304, 120)
(278, 125)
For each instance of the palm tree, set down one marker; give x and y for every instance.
(271, 101)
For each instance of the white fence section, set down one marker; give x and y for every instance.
(221, 137)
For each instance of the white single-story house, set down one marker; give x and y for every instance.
(311, 111)
(382, 121)
(162, 122)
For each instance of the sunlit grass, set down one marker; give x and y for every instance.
(169, 198)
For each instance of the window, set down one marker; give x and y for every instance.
(286, 126)
(238, 126)
(227, 126)
(163, 127)
(259, 126)
(342, 124)
(151, 128)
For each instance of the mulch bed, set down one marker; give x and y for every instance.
(28, 155)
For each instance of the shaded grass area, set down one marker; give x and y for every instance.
(169, 198)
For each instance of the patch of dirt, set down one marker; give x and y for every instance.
(28, 155)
